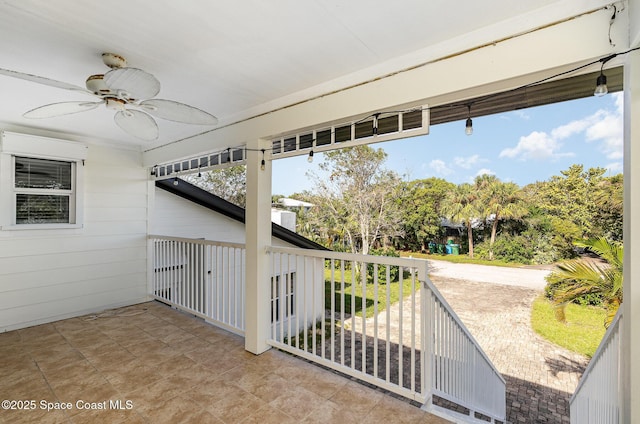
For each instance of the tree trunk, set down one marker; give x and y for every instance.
(494, 230)
(470, 235)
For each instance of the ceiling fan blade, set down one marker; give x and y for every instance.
(178, 112)
(60, 109)
(137, 124)
(42, 80)
(132, 83)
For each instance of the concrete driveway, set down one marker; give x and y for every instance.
(521, 277)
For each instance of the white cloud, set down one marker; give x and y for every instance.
(485, 171)
(468, 162)
(614, 168)
(609, 132)
(573, 127)
(440, 167)
(603, 127)
(537, 145)
(618, 98)
(517, 113)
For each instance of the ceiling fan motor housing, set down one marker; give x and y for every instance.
(113, 60)
(96, 84)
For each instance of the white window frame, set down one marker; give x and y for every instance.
(21, 145)
(289, 297)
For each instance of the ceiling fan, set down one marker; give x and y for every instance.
(128, 91)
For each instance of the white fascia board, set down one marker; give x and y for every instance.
(507, 64)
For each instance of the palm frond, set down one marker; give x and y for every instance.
(579, 270)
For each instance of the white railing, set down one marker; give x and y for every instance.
(202, 277)
(597, 398)
(460, 370)
(381, 320)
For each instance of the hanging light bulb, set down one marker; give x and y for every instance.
(199, 173)
(601, 85)
(310, 158)
(175, 181)
(262, 162)
(601, 81)
(375, 123)
(468, 127)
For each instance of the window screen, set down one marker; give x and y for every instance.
(42, 174)
(42, 209)
(43, 190)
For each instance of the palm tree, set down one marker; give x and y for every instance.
(576, 278)
(461, 205)
(499, 201)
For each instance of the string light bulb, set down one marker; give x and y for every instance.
(310, 157)
(175, 181)
(468, 127)
(601, 81)
(601, 85)
(375, 123)
(262, 162)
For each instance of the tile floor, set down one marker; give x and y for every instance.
(151, 364)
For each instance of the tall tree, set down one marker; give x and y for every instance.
(498, 201)
(580, 205)
(229, 183)
(462, 205)
(356, 197)
(420, 205)
(608, 211)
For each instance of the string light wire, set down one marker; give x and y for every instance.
(465, 105)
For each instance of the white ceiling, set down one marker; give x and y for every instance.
(236, 59)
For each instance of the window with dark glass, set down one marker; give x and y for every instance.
(282, 295)
(44, 191)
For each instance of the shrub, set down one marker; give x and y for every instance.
(554, 285)
(507, 248)
(382, 269)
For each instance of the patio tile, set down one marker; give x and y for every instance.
(329, 412)
(40, 416)
(267, 388)
(110, 359)
(323, 382)
(108, 417)
(173, 368)
(356, 397)
(235, 408)
(297, 402)
(269, 415)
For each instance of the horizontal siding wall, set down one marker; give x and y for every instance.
(47, 275)
(176, 217)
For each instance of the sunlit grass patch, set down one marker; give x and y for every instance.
(582, 331)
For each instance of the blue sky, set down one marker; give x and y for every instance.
(521, 146)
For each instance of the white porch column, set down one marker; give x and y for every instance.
(258, 237)
(631, 304)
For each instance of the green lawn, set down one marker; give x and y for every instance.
(582, 332)
(370, 300)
